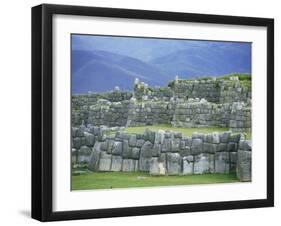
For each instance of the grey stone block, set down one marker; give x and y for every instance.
(244, 165)
(116, 163)
(94, 157)
(90, 139)
(133, 140)
(222, 162)
(127, 151)
(117, 148)
(188, 162)
(196, 146)
(173, 163)
(202, 163)
(105, 161)
(128, 165)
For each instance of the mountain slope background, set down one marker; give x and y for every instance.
(99, 63)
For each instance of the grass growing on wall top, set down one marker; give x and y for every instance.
(108, 180)
(185, 131)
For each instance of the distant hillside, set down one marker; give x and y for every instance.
(212, 61)
(101, 71)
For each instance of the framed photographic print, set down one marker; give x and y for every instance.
(145, 112)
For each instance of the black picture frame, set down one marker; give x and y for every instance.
(42, 107)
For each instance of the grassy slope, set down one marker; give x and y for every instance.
(104, 180)
(184, 131)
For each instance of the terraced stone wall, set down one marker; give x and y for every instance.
(162, 153)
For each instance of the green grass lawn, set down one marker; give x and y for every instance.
(184, 131)
(105, 180)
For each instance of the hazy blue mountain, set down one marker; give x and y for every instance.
(101, 71)
(101, 62)
(213, 60)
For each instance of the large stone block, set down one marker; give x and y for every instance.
(117, 148)
(84, 155)
(175, 145)
(95, 157)
(159, 137)
(140, 142)
(201, 163)
(224, 137)
(173, 163)
(222, 162)
(196, 146)
(244, 165)
(105, 162)
(233, 161)
(135, 153)
(188, 162)
(90, 139)
(116, 163)
(128, 165)
(156, 150)
(209, 148)
(167, 146)
(77, 142)
(157, 167)
(145, 156)
(245, 145)
(133, 140)
(127, 151)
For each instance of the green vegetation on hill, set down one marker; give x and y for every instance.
(244, 78)
(106, 180)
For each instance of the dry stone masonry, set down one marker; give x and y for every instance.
(162, 152)
(184, 103)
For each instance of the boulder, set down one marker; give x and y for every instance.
(135, 154)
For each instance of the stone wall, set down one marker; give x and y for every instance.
(184, 103)
(213, 90)
(162, 152)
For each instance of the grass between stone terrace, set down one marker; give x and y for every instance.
(110, 180)
(185, 131)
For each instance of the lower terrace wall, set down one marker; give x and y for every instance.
(162, 152)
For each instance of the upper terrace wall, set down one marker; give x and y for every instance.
(224, 103)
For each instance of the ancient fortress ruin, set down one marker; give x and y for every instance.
(99, 119)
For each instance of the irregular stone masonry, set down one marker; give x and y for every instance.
(162, 152)
(183, 103)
